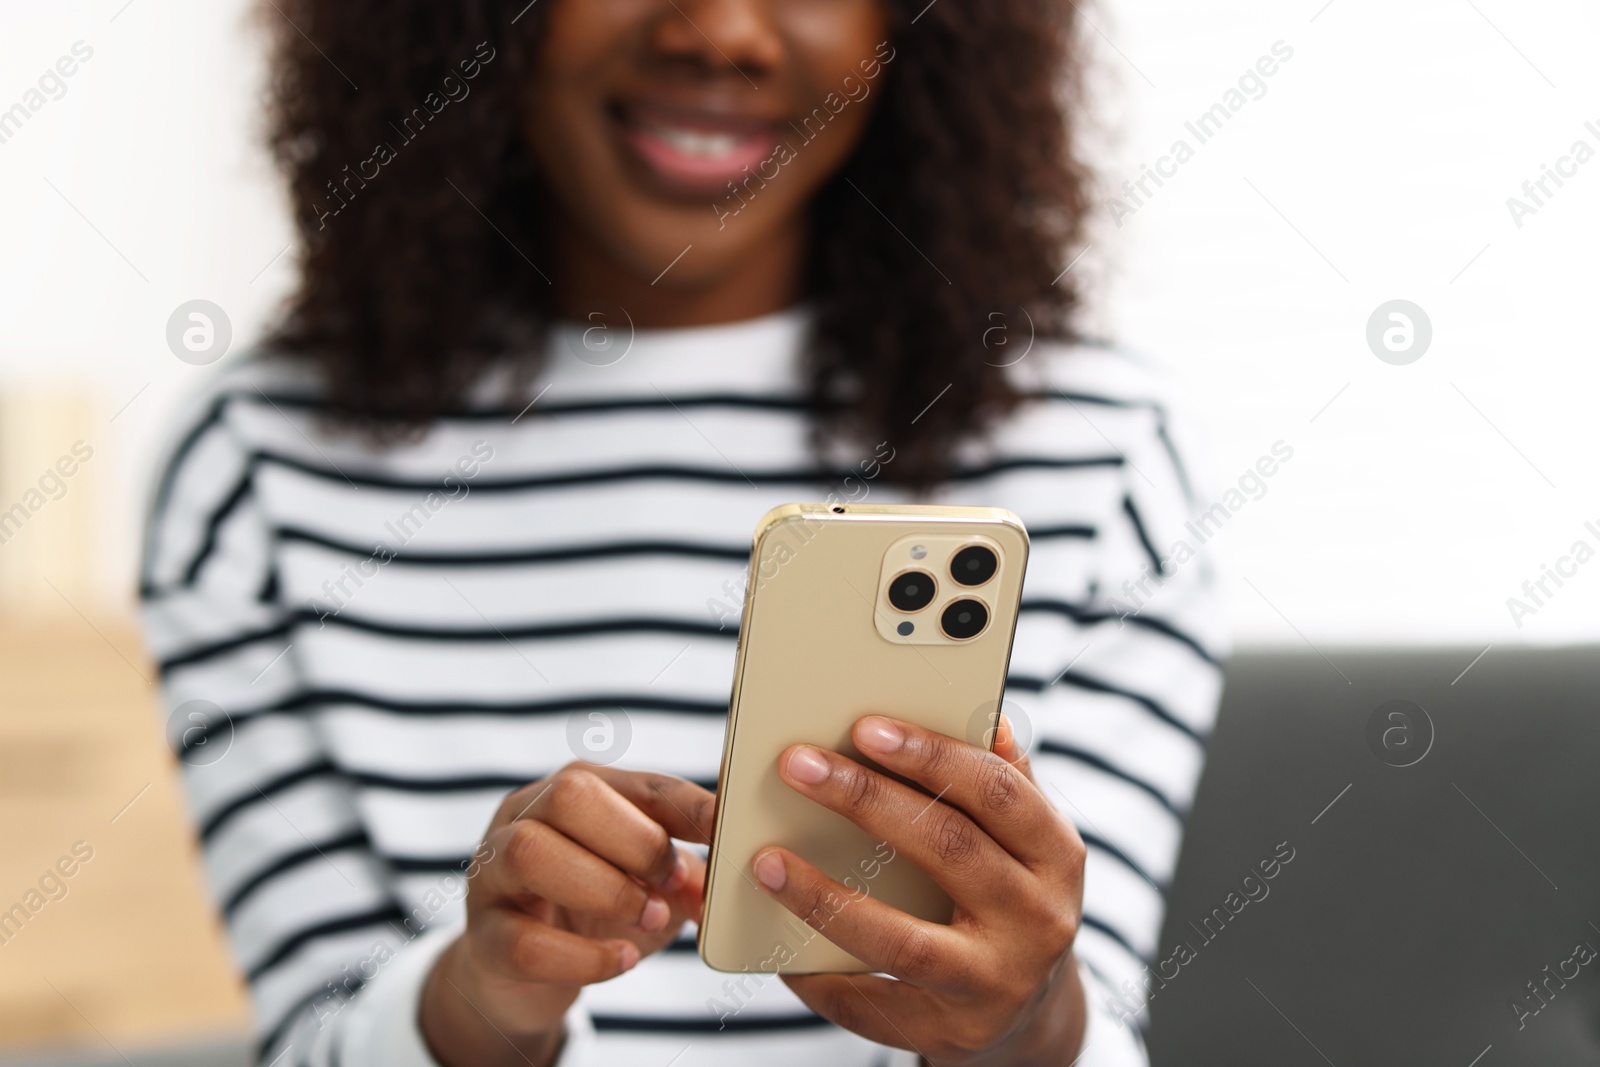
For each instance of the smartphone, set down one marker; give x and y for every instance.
(850, 609)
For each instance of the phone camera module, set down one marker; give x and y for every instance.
(964, 619)
(974, 565)
(911, 591)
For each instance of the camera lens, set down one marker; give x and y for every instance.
(911, 591)
(974, 565)
(964, 619)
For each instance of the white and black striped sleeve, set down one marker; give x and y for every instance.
(307, 905)
(1121, 706)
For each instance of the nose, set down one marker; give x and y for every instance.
(724, 37)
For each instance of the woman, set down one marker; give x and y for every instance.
(586, 288)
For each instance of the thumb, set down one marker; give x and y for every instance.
(1008, 749)
(688, 896)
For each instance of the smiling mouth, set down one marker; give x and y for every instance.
(695, 153)
(694, 143)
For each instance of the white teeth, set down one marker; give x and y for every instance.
(697, 143)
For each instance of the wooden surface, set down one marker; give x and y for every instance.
(133, 953)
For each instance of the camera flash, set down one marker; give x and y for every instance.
(919, 551)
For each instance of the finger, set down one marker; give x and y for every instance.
(514, 946)
(687, 811)
(585, 807)
(881, 1010)
(939, 838)
(682, 808)
(690, 896)
(1009, 748)
(879, 935)
(998, 796)
(536, 861)
(687, 899)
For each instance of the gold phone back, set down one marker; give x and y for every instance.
(818, 650)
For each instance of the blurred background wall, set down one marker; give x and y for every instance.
(1373, 164)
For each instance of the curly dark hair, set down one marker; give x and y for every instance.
(410, 298)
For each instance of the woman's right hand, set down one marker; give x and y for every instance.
(577, 880)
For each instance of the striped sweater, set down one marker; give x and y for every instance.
(362, 650)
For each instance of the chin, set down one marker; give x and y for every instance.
(651, 234)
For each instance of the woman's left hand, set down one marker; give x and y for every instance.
(999, 984)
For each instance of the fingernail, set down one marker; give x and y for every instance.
(807, 765)
(679, 875)
(770, 871)
(655, 916)
(629, 956)
(881, 735)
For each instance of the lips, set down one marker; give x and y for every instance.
(693, 151)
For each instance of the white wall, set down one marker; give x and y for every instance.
(154, 142)
(1417, 501)
(1424, 496)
